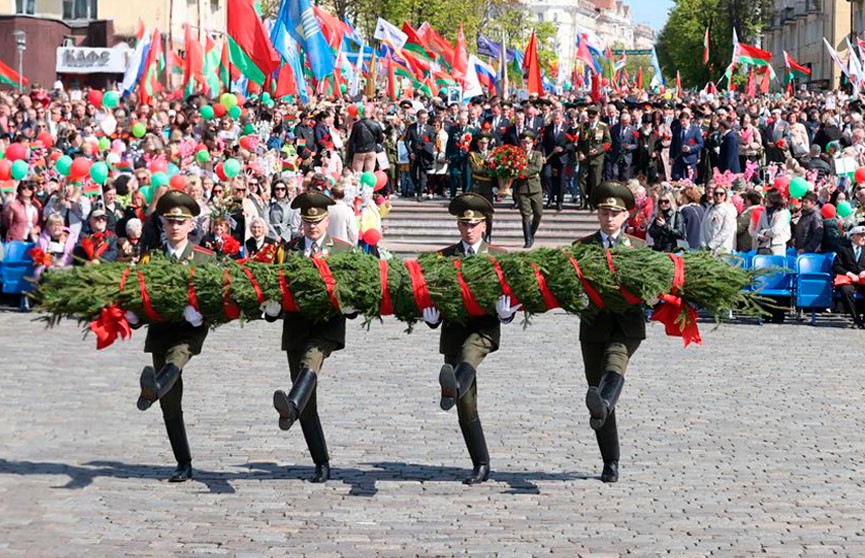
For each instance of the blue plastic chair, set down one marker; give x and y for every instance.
(814, 282)
(777, 284)
(17, 267)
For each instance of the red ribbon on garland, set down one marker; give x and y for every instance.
(190, 291)
(587, 287)
(258, 294)
(288, 302)
(123, 278)
(629, 298)
(386, 302)
(418, 285)
(670, 310)
(110, 324)
(229, 307)
(471, 305)
(503, 283)
(549, 298)
(151, 314)
(327, 277)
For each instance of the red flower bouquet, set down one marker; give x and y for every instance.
(40, 257)
(465, 142)
(230, 245)
(508, 161)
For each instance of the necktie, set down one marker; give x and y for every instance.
(314, 250)
(470, 251)
(556, 131)
(857, 253)
(611, 241)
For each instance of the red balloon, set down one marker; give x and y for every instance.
(178, 182)
(246, 143)
(158, 165)
(220, 171)
(17, 151)
(782, 184)
(54, 156)
(94, 97)
(200, 147)
(605, 82)
(372, 236)
(46, 139)
(828, 211)
(80, 168)
(352, 111)
(5, 169)
(219, 110)
(859, 175)
(380, 180)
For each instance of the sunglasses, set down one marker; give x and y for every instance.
(664, 202)
(720, 193)
(240, 189)
(278, 189)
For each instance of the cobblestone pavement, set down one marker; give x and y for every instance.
(750, 445)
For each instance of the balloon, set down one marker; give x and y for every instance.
(17, 151)
(844, 209)
(99, 172)
(178, 182)
(94, 97)
(246, 142)
(202, 156)
(112, 158)
(80, 167)
(104, 144)
(19, 170)
(228, 100)
(380, 180)
(54, 156)
(46, 139)
(265, 97)
(110, 99)
(799, 187)
(368, 179)
(206, 112)
(859, 175)
(231, 168)
(147, 192)
(248, 128)
(372, 236)
(219, 111)
(158, 165)
(828, 211)
(159, 179)
(220, 171)
(352, 110)
(138, 130)
(5, 169)
(605, 82)
(63, 165)
(173, 169)
(235, 112)
(269, 103)
(668, 96)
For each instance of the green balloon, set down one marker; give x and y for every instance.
(234, 111)
(844, 209)
(342, 88)
(159, 179)
(138, 130)
(269, 103)
(265, 97)
(206, 112)
(231, 168)
(110, 99)
(104, 144)
(147, 192)
(228, 100)
(248, 128)
(20, 168)
(63, 165)
(799, 187)
(368, 179)
(2, 155)
(99, 172)
(202, 156)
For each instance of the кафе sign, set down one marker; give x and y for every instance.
(81, 60)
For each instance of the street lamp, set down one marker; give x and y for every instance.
(21, 40)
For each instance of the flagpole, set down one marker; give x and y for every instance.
(370, 77)
(503, 63)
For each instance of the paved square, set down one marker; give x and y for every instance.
(750, 445)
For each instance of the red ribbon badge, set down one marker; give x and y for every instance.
(670, 310)
(110, 324)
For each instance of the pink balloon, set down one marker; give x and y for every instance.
(17, 151)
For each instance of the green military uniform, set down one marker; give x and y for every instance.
(530, 194)
(591, 145)
(609, 339)
(465, 345)
(307, 342)
(173, 344)
(483, 180)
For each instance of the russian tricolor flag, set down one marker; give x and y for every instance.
(486, 75)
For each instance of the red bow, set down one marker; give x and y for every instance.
(111, 323)
(679, 319)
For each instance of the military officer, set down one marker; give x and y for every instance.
(528, 190)
(173, 344)
(609, 339)
(308, 342)
(464, 346)
(592, 144)
(483, 180)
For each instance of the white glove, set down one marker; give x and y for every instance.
(193, 316)
(504, 308)
(132, 317)
(271, 308)
(431, 315)
(348, 309)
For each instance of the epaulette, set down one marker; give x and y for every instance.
(496, 249)
(203, 250)
(341, 242)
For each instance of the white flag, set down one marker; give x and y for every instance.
(386, 31)
(834, 54)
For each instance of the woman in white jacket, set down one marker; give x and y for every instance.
(718, 232)
(773, 228)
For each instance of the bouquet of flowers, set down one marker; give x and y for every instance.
(465, 142)
(508, 161)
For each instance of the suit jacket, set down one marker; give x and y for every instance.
(305, 138)
(512, 134)
(298, 331)
(164, 335)
(422, 145)
(454, 334)
(608, 326)
(531, 184)
(535, 124)
(728, 159)
(623, 144)
(846, 262)
(550, 140)
(692, 137)
(498, 129)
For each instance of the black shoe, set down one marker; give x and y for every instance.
(182, 473)
(148, 388)
(450, 389)
(610, 472)
(473, 434)
(322, 473)
(479, 474)
(559, 206)
(287, 412)
(598, 408)
(291, 406)
(602, 400)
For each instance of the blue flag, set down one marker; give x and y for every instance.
(297, 18)
(489, 48)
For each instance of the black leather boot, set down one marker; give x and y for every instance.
(527, 234)
(473, 434)
(314, 435)
(154, 386)
(602, 400)
(291, 406)
(180, 446)
(455, 383)
(608, 443)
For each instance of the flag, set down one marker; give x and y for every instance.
(388, 32)
(333, 28)
(856, 72)
(794, 69)
(836, 57)
(486, 74)
(658, 78)
(768, 75)
(437, 43)
(585, 56)
(460, 61)
(620, 64)
(212, 56)
(678, 82)
(286, 83)
(193, 65)
(414, 43)
(248, 45)
(489, 48)
(135, 67)
(391, 80)
(706, 47)
(297, 18)
(640, 77)
(10, 77)
(532, 67)
(153, 66)
(471, 84)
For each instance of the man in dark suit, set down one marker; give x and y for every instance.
(558, 150)
(849, 268)
(534, 121)
(304, 132)
(456, 152)
(774, 131)
(499, 124)
(728, 158)
(465, 345)
(608, 339)
(685, 147)
(420, 142)
(516, 129)
(173, 344)
(309, 342)
(618, 165)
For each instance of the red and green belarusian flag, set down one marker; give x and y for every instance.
(706, 47)
(415, 44)
(212, 56)
(153, 67)
(794, 69)
(10, 77)
(193, 67)
(248, 44)
(753, 56)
